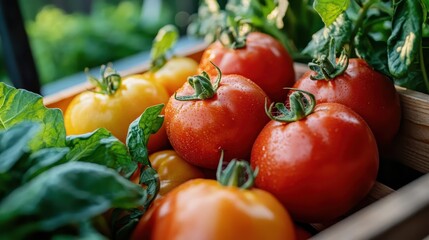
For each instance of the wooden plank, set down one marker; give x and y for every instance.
(411, 146)
(401, 215)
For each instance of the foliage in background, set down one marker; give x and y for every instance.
(292, 22)
(67, 43)
(392, 36)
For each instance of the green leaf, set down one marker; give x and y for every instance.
(329, 10)
(404, 42)
(373, 52)
(140, 130)
(165, 39)
(42, 160)
(340, 30)
(138, 136)
(17, 105)
(208, 22)
(66, 194)
(101, 147)
(14, 144)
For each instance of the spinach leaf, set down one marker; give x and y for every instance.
(103, 148)
(404, 43)
(17, 105)
(42, 160)
(329, 10)
(138, 136)
(140, 130)
(65, 194)
(14, 144)
(340, 30)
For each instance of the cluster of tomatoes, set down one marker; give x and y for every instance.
(315, 146)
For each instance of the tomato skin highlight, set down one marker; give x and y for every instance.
(366, 91)
(264, 61)
(175, 73)
(204, 209)
(89, 110)
(319, 167)
(230, 120)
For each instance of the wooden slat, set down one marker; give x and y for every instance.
(401, 215)
(411, 147)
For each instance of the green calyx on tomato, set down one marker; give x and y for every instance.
(109, 82)
(238, 173)
(165, 39)
(204, 89)
(300, 107)
(327, 67)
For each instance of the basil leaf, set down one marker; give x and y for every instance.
(140, 130)
(17, 105)
(65, 194)
(165, 39)
(329, 10)
(404, 43)
(340, 30)
(101, 147)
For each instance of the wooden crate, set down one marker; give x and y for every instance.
(398, 205)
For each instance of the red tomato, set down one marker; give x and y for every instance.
(366, 91)
(263, 60)
(205, 209)
(319, 167)
(230, 120)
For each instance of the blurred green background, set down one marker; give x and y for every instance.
(67, 36)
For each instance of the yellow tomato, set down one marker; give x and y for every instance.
(172, 170)
(175, 73)
(115, 111)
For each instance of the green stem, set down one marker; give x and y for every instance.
(300, 107)
(359, 21)
(423, 68)
(204, 89)
(238, 173)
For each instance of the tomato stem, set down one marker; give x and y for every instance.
(204, 89)
(300, 107)
(238, 173)
(109, 82)
(326, 67)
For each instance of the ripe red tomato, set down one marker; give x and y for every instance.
(230, 120)
(263, 60)
(319, 167)
(204, 209)
(366, 91)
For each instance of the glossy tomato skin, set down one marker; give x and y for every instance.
(366, 91)
(175, 73)
(172, 170)
(264, 61)
(204, 209)
(319, 167)
(89, 110)
(230, 120)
